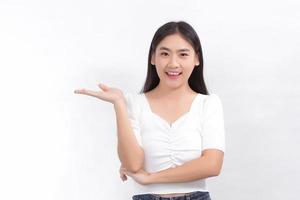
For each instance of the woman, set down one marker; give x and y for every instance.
(171, 135)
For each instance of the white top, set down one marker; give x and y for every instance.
(169, 145)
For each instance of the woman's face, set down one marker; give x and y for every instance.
(174, 54)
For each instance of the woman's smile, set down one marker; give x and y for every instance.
(173, 75)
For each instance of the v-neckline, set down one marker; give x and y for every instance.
(165, 121)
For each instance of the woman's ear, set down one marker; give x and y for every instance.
(197, 60)
(152, 59)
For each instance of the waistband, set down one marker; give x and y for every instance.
(199, 195)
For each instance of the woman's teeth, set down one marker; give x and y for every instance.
(173, 73)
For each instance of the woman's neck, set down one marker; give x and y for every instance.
(173, 93)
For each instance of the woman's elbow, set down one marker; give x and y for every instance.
(216, 169)
(135, 167)
(137, 164)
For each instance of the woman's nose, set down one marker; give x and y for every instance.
(173, 62)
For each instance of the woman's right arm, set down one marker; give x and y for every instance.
(131, 154)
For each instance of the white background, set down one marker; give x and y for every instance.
(57, 145)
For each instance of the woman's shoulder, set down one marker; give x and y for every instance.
(133, 98)
(211, 97)
(129, 94)
(212, 101)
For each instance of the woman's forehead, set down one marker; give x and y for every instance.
(174, 42)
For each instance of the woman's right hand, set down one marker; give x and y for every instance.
(109, 94)
(122, 174)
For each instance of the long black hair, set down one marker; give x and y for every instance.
(196, 80)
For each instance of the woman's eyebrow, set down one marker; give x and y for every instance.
(167, 49)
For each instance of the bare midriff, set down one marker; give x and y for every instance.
(172, 194)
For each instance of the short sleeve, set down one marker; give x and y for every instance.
(213, 131)
(133, 110)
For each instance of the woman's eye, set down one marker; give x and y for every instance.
(184, 54)
(164, 54)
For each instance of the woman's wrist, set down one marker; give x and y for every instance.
(119, 102)
(153, 178)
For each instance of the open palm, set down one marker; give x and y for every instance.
(109, 94)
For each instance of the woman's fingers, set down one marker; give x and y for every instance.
(123, 177)
(87, 92)
(93, 93)
(105, 93)
(122, 174)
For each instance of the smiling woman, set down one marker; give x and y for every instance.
(180, 126)
(171, 135)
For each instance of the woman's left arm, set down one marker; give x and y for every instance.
(208, 165)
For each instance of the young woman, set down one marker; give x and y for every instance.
(170, 135)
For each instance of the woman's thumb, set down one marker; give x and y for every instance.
(103, 87)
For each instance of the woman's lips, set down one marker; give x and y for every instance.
(173, 77)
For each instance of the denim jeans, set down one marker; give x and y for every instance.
(197, 195)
